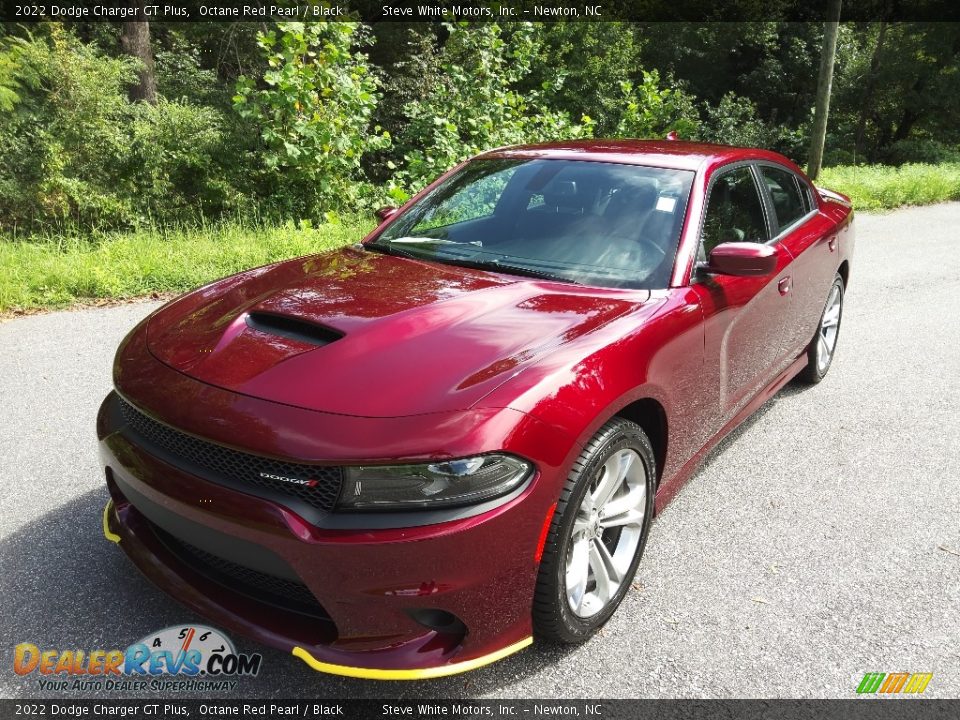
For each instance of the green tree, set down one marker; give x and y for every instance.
(475, 105)
(407, 60)
(312, 110)
(60, 145)
(582, 68)
(649, 110)
(899, 94)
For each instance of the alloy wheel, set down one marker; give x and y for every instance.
(606, 532)
(829, 327)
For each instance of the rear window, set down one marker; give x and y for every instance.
(789, 202)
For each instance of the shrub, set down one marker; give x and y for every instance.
(61, 143)
(734, 121)
(581, 68)
(75, 152)
(8, 82)
(925, 151)
(407, 57)
(181, 77)
(175, 180)
(313, 111)
(648, 110)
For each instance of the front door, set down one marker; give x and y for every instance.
(744, 316)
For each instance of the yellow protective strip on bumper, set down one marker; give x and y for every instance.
(416, 674)
(107, 533)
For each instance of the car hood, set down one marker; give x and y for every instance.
(360, 333)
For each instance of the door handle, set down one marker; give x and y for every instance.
(832, 243)
(784, 285)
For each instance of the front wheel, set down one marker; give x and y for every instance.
(824, 344)
(597, 534)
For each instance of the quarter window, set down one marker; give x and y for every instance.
(788, 202)
(734, 211)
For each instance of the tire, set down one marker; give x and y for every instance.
(577, 540)
(823, 346)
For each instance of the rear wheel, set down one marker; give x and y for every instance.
(821, 349)
(597, 535)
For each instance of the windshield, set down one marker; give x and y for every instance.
(592, 223)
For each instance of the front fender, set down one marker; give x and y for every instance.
(656, 354)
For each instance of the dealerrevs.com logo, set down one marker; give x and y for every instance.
(178, 658)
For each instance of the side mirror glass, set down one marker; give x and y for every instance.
(742, 259)
(385, 213)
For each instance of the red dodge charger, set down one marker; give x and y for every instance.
(411, 457)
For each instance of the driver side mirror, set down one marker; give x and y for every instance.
(742, 259)
(385, 213)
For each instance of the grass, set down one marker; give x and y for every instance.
(49, 272)
(882, 187)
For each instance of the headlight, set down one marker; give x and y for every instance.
(443, 484)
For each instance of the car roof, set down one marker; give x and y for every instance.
(674, 154)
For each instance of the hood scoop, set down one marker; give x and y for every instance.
(292, 328)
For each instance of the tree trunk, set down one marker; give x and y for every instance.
(910, 116)
(871, 85)
(824, 83)
(135, 41)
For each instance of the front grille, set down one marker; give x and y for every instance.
(232, 465)
(270, 589)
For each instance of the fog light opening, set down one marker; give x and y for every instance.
(440, 621)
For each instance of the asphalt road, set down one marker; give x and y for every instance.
(819, 542)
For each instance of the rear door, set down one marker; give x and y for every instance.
(744, 316)
(811, 239)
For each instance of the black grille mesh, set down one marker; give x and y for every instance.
(224, 463)
(259, 585)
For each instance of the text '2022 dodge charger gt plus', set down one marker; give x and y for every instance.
(411, 457)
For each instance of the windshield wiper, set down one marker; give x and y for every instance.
(494, 265)
(391, 250)
(432, 241)
(510, 269)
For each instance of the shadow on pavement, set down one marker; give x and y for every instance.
(790, 390)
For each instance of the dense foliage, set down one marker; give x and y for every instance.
(305, 121)
(473, 104)
(312, 110)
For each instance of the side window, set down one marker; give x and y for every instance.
(788, 202)
(734, 211)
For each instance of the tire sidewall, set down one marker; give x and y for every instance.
(625, 437)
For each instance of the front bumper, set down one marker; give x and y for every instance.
(372, 587)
